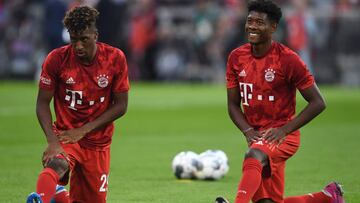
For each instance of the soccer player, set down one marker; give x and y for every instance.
(88, 81)
(262, 77)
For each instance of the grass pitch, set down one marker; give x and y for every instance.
(164, 119)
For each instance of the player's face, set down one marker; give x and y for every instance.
(84, 43)
(259, 28)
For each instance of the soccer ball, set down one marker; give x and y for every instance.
(218, 153)
(185, 164)
(214, 165)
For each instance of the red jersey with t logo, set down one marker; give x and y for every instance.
(83, 92)
(267, 84)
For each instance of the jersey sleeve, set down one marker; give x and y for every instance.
(121, 81)
(48, 73)
(231, 77)
(298, 73)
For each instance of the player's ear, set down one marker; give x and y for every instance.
(96, 35)
(273, 27)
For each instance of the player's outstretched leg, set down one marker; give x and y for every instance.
(332, 193)
(34, 198)
(335, 190)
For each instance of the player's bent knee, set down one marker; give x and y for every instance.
(61, 166)
(257, 154)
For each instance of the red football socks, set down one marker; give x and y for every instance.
(46, 184)
(250, 180)
(62, 196)
(319, 197)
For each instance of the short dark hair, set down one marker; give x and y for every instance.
(272, 10)
(80, 18)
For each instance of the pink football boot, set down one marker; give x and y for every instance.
(335, 191)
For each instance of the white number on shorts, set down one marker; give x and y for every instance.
(105, 181)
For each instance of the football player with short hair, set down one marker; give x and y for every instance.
(88, 81)
(262, 77)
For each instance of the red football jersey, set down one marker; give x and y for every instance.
(84, 92)
(267, 84)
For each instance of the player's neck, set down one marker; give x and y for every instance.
(260, 50)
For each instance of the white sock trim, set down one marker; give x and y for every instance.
(326, 193)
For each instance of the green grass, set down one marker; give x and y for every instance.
(164, 119)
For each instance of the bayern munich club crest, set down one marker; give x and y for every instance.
(269, 75)
(103, 80)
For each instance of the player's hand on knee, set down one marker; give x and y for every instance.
(252, 136)
(274, 135)
(51, 151)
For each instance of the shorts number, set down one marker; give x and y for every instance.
(105, 181)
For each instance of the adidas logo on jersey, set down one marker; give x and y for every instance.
(70, 81)
(242, 73)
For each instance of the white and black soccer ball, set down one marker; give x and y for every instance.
(219, 153)
(214, 165)
(185, 164)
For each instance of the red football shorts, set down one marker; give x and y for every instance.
(89, 174)
(272, 184)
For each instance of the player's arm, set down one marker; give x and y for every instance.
(315, 106)
(43, 113)
(116, 110)
(237, 116)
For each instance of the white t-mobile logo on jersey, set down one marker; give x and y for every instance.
(245, 91)
(75, 97)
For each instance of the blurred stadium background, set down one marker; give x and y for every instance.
(176, 52)
(183, 40)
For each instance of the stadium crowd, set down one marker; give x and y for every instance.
(183, 39)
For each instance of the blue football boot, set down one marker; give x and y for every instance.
(34, 198)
